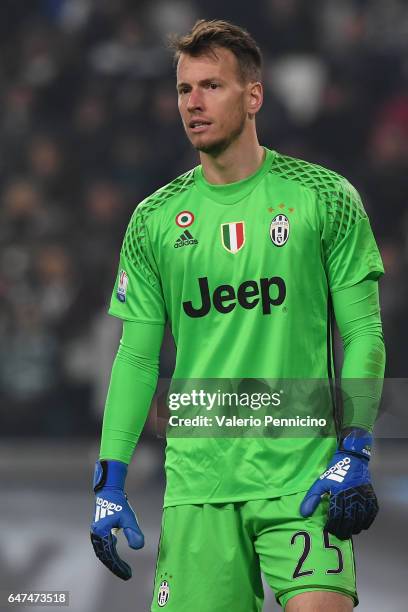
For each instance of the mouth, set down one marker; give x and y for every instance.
(198, 125)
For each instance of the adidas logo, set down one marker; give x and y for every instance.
(105, 508)
(339, 471)
(185, 239)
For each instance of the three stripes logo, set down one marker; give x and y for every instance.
(185, 239)
(105, 508)
(338, 472)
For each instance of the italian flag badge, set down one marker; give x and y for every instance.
(233, 236)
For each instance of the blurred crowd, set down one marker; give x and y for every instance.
(89, 126)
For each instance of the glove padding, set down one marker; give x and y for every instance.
(353, 504)
(112, 513)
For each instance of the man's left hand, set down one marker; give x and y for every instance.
(353, 504)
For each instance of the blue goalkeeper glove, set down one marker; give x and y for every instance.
(113, 512)
(353, 504)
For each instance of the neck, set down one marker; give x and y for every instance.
(242, 158)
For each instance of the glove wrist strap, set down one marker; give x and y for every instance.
(109, 474)
(356, 441)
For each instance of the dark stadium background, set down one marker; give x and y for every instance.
(88, 127)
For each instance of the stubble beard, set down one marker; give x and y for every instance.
(217, 147)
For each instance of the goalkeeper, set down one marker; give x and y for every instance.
(250, 257)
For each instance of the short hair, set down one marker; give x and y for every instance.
(208, 35)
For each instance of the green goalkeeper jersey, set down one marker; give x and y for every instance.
(243, 272)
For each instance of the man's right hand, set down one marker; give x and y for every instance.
(113, 512)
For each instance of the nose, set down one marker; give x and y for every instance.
(194, 101)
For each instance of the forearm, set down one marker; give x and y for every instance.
(126, 409)
(357, 313)
(362, 381)
(132, 385)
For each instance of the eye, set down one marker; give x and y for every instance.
(213, 85)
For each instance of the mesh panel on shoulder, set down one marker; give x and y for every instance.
(134, 242)
(343, 206)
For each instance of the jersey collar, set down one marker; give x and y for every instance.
(230, 193)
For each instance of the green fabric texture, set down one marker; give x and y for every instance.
(357, 312)
(243, 273)
(213, 554)
(132, 385)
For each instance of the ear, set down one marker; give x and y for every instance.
(255, 98)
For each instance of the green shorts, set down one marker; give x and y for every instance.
(211, 556)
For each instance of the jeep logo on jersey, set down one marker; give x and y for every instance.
(269, 291)
(279, 230)
(233, 236)
(163, 594)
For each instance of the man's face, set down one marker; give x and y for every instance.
(211, 100)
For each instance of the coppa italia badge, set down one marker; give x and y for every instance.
(122, 286)
(233, 236)
(185, 218)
